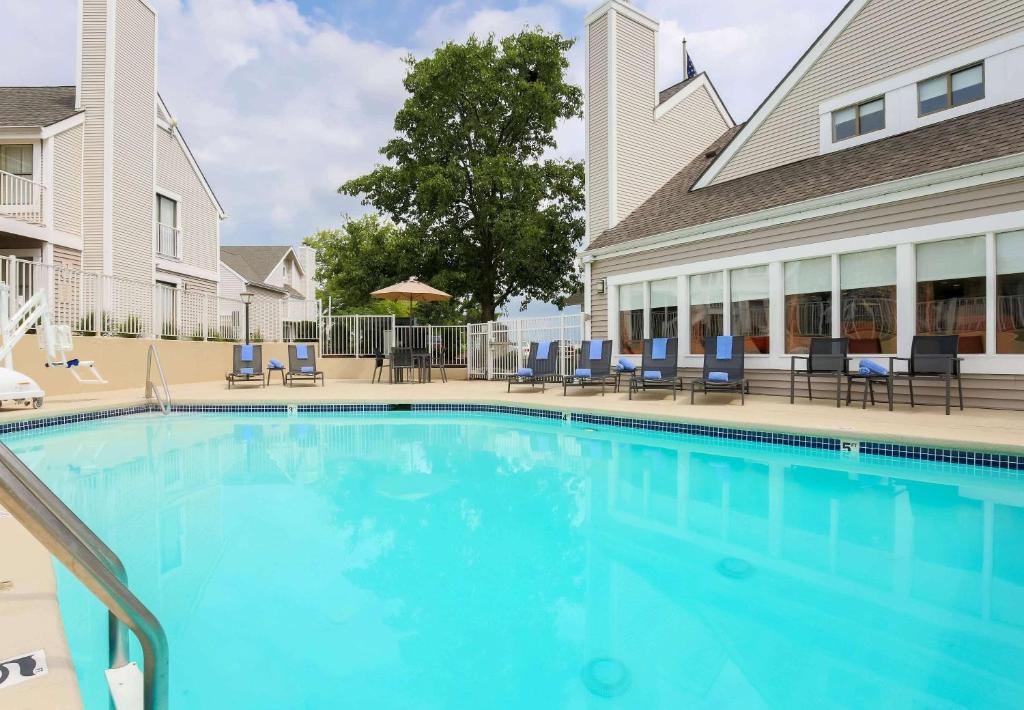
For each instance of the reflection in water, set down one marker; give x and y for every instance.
(438, 561)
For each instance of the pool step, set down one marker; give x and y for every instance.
(126, 686)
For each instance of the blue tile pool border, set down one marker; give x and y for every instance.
(988, 459)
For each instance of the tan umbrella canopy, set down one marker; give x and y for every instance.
(411, 290)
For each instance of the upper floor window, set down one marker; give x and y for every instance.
(953, 89)
(858, 119)
(16, 160)
(167, 233)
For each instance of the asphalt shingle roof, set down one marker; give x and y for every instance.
(983, 135)
(35, 106)
(253, 263)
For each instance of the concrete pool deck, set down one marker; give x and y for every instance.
(29, 613)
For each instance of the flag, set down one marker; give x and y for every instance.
(690, 70)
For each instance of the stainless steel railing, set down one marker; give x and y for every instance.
(86, 556)
(164, 399)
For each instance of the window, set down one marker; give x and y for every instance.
(951, 291)
(867, 301)
(808, 302)
(167, 226)
(707, 317)
(16, 160)
(631, 318)
(952, 89)
(858, 120)
(664, 309)
(749, 296)
(1010, 293)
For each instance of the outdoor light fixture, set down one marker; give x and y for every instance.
(602, 284)
(246, 297)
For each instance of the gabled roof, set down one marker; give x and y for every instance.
(255, 264)
(36, 106)
(666, 94)
(171, 124)
(972, 138)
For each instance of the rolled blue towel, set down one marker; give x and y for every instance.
(870, 367)
(596, 347)
(276, 364)
(718, 376)
(583, 372)
(246, 355)
(652, 374)
(723, 347)
(543, 349)
(246, 370)
(73, 362)
(525, 372)
(308, 369)
(625, 365)
(301, 351)
(659, 348)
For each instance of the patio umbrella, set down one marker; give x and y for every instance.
(411, 290)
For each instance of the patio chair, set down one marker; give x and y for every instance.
(932, 357)
(402, 360)
(541, 366)
(378, 367)
(302, 365)
(593, 367)
(659, 367)
(723, 367)
(247, 365)
(826, 357)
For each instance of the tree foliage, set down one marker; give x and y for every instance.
(469, 179)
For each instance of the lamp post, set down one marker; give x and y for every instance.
(246, 297)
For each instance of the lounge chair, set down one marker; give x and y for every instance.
(541, 366)
(723, 367)
(826, 357)
(247, 365)
(932, 357)
(302, 365)
(593, 366)
(659, 367)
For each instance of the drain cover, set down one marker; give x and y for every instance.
(734, 567)
(606, 677)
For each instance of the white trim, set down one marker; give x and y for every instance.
(782, 90)
(63, 125)
(177, 267)
(169, 195)
(630, 11)
(973, 175)
(176, 132)
(109, 47)
(43, 234)
(15, 134)
(167, 278)
(80, 25)
(613, 108)
(701, 80)
(991, 292)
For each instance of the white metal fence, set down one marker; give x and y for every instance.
(499, 348)
(372, 335)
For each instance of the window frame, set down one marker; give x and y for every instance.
(857, 132)
(949, 88)
(31, 159)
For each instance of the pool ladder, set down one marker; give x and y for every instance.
(87, 557)
(163, 398)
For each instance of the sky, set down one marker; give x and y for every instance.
(284, 100)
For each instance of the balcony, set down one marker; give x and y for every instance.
(21, 199)
(168, 241)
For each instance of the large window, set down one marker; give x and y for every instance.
(858, 120)
(664, 309)
(1010, 293)
(808, 302)
(707, 317)
(167, 242)
(749, 296)
(631, 318)
(867, 301)
(951, 291)
(952, 89)
(17, 160)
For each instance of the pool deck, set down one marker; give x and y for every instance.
(30, 616)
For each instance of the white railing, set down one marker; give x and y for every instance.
(21, 198)
(445, 343)
(357, 335)
(168, 241)
(499, 348)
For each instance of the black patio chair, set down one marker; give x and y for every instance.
(302, 365)
(541, 366)
(593, 367)
(402, 361)
(932, 357)
(659, 367)
(826, 357)
(725, 373)
(378, 367)
(246, 365)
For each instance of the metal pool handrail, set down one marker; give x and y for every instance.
(164, 401)
(82, 552)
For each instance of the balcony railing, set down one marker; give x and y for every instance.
(168, 241)
(21, 198)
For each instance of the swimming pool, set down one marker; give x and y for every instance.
(469, 560)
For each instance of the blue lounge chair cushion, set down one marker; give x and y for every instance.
(308, 369)
(625, 365)
(659, 348)
(652, 374)
(723, 347)
(596, 347)
(276, 364)
(246, 370)
(718, 376)
(583, 372)
(525, 372)
(301, 351)
(870, 367)
(542, 350)
(246, 355)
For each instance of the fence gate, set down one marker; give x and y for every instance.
(499, 348)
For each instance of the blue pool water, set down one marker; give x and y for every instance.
(436, 560)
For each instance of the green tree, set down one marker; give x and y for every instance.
(468, 178)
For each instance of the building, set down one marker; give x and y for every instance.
(281, 274)
(97, 177)
(876, 193)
